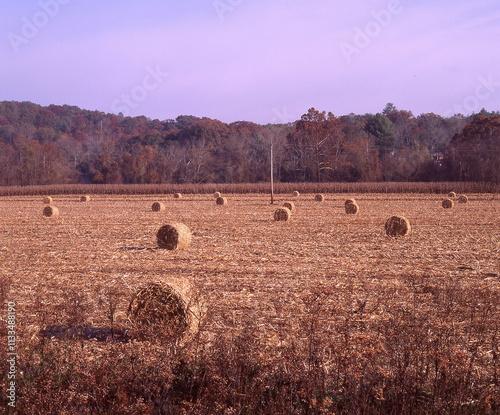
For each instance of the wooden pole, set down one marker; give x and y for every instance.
(272, 175)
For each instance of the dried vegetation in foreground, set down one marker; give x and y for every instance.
(320, 314)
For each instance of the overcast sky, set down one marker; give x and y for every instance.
(255, 60)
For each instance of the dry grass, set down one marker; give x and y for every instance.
(323, 315)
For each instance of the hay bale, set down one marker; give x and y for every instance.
(348, 201)
(351, 208)
(173, 236)
(296, 193)
(85, 198)
(157, 207)
(47, 200)
(290, 206)
(319, 198)
(282, 214)
(177, 196)
(397, 226)
(452, 194)
(447, 203)
(158, 309)
(217, 194)
(49, 211)
(463, 199)
(221, 201)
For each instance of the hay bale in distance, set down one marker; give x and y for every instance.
(47, 200)
(348, 201)
(397, 226)
(177, 196)
(221, 201)
(282, 214)
(85, 198)
(157, 207)
(296, 193)
(319, 198)
(217, 194)
(447, 203)
(351, 208)
(452, 194)
(463, 199)
(50, 210)
(159, 309)
(290, 206)
(173, 236)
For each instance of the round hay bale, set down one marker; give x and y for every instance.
(351, 208)
(221, 201)
(319, 198)
(463, 199)
(397, 226)
(447, 203)
(49, 211)
(173, 236)
(217, 194)
(47, 200)
(157, 207)
(290, 206)
(282, 214)
(177, 196)
(296, 193)
(159, 309)
(348, 201)
(85, 198)
(452, 194)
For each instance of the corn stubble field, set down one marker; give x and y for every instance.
(321, 314)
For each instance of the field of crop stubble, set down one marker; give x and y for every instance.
(320, 314)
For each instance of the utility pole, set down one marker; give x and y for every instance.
(272, 175)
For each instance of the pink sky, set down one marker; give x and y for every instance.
(261, 61)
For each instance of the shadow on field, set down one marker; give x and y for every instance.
(137, 248)
(101, 334)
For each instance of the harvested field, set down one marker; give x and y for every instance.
(381, 315)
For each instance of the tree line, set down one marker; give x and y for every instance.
(65, 144)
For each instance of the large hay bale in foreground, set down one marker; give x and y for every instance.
(349, 201)
(173, 236)
(157, 207)
(85, 198)
(160, 310)
(397, 226)
(282, 214)
(177, 196)
(351, 208)
(296, 193)
(319, 198)
(49, 211)
(217, 194)
(447, 203)
(290, 206)
(47, 200)
(463, 199)
(221, 201)
(452, 194)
